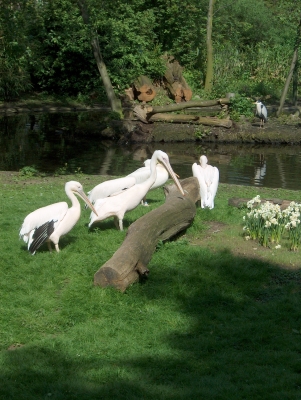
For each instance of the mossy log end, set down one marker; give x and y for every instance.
(144, 89)
(129, 262)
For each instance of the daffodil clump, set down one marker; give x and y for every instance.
(266, 222)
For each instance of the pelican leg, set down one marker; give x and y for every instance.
(116, 222)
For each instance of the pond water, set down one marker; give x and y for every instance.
(63, 143)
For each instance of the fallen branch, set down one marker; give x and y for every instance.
(130, 261)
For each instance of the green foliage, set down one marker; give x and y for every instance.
(200, 131)
(14, 51)
(47, 46)
(241, 105)
(66, 169)
(28, 171)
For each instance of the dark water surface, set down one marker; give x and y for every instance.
(63, 142)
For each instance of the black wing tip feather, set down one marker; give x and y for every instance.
(41, 234)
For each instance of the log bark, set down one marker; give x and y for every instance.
(129, 262)
(144, 112)
(144, 89)
(192, 119)
(175, 82)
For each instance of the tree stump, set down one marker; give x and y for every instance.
(144, 89)
(129, 262)
(175, 82)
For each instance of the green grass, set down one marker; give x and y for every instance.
(207, 324)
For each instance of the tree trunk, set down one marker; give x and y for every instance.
(287, 82)
(209, 73)
(129, 262)
(295, 84)
(115, 103)
(144, 89)
(293, 68)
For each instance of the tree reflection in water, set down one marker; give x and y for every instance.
(70, 141)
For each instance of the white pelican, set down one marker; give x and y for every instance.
(112, 186)
(117, 206)
(143, 173)
(208, 178)
(261, 112)
(51, 222)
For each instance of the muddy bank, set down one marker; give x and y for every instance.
(243, 132)
(284, 130)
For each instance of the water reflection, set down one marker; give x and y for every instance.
(53, 142)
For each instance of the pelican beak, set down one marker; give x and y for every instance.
(86, 200)
(173, 176)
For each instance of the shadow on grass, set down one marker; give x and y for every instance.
(234, 334)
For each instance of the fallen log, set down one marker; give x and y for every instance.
(144, 89)
(192, 119)
(129, 262)
(188, 104)
(144, 112)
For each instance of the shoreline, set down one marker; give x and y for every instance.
(285, 130)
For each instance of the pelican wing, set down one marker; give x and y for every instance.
(38, 221)
(40, 235)
(109, 187)
(141, 174)
(214, 179)
(198, 172)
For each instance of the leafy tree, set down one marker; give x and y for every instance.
(15, 52)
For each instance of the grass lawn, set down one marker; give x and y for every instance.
(218, 318)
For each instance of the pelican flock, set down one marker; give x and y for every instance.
(112, 198)
(117, 205)
(48, 224)
(208, 177)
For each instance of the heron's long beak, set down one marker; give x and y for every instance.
(173, 175)
(86, 200)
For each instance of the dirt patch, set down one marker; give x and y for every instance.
(218, 236)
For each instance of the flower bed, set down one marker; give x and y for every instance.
(267, 223)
